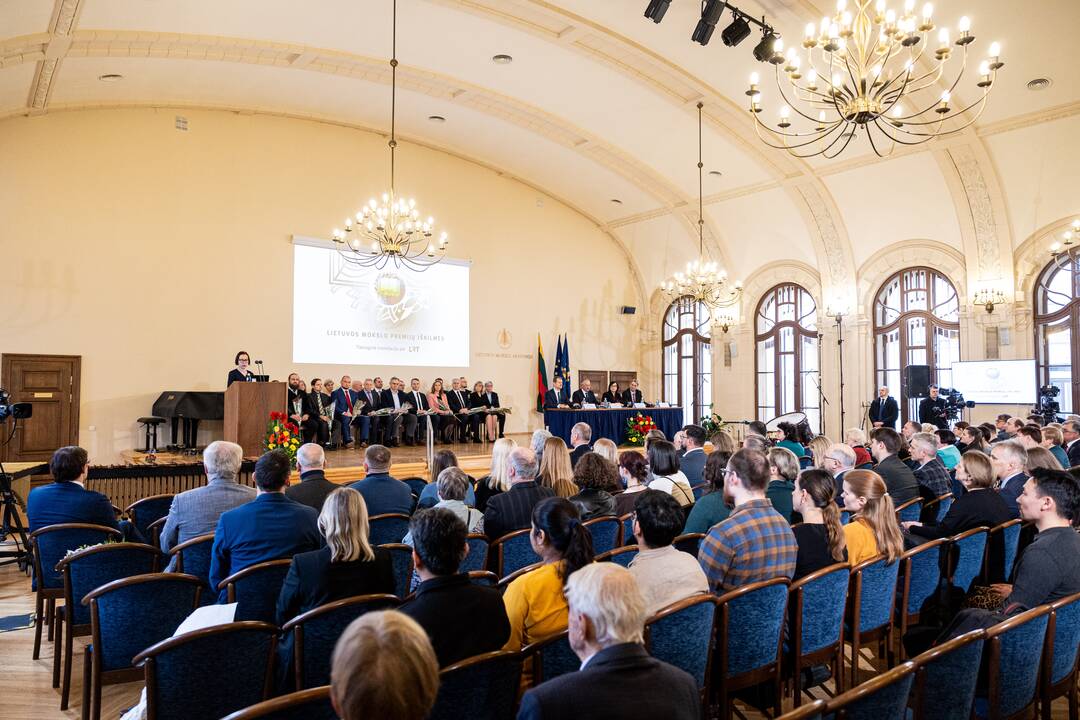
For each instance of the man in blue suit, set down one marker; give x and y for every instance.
(382, 493)
(269, 527)
(693, 460)
(344, 398)
(553, 397)
(66, 499)
(1010, 465)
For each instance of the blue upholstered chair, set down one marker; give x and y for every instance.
(1061, 656)
(871, 600)
(146, 511)
(312, 704)
(967, 552)
(845, 517)
(1014, 656)
(627, 521)
(911, 510)
(683, 634)
(810, 711)
(388, 528)
(401, 559)
(620, 555)
(126, 617)
(946, 678)
(315, 633)
(749, 634)
(477, 558)
(551, 657)
(806, 461)
(816, 624)
(939, 506)
(483, 577)
(513, 551)
(255, 589)
(484, 687)
(883, 697)
(606, 533)
(1002, 543)
(920, 577)
(192, 557)
(699, 490)
(185, 678)
(83, 571)
(416, 484)
(689, 543)
(50, 544)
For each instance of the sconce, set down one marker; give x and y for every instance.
(724, 322)
(989, 298)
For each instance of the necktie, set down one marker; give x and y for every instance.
(348, 399)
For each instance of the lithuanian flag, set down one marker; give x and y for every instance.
(541, 375)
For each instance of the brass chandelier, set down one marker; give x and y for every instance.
(871, 69)
(391, 230)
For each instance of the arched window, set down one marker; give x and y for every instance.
(687, 358)
(916, 322)
(787, 354)
(1057, 328)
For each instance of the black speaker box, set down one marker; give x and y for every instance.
(917, 380)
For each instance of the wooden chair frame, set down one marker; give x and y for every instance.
(397, 516)
(989, 542)
(177, 550)
(953, 558)
(936, 502)
(607, 519)
(281, 704)
(904, 618)
(498, 544)
(1067, 686)
(904, 506)
(532, 651)
(487, 546)
(229, 583)
(606, 556)
(505, 582)
(836, 706)
(924, 659)
(706, 691)
(993, 643)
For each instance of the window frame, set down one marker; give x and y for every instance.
(699, 406)
(800, 332)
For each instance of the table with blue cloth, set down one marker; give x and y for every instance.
(611, 423)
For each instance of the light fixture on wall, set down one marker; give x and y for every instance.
(862, 71)
(724, 322)
(989, 298)
(703, 280)
(391, 230)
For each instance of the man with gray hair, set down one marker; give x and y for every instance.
(930, 471)
(1070, 433)
(313, 487)
(580, 437)
(512, 510)
(618, 678)
(839, 459)
(539, 437)
(451, 486)
(196, 512)
(1009, 459)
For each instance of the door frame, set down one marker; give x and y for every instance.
(76, 388)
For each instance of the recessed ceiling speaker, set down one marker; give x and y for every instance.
(627, 309)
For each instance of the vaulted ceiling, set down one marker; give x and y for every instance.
(598, 105)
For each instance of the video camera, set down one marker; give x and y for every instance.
(19, 411)
(1048, 408)
(954, 402)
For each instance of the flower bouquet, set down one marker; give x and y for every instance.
(637, 427)
(712, 424)
(282, 434)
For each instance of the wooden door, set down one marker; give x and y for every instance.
(51, 384)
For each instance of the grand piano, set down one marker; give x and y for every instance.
(186, 408)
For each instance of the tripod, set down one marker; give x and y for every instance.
(12, 524)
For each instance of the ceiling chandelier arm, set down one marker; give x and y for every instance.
(814, 135)
(789, 103)
(873, 142)
(888, 133)
(393, 95)
(849, 135)
(792, 148)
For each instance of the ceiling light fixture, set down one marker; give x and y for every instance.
(736, 32)
(656, 9)
(764, 49)
(502, 59)
(436, 118)
(710, 15)
(110, 77)
(391, 231)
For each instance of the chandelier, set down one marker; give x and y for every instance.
(703, 279)
(391, 230)
(870, 69)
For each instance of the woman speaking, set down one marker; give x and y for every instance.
(241, 373)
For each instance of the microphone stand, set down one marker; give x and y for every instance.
(838, 316)
(822, 400)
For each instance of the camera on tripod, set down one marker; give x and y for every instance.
(954, 402)
(1048, 408)
(19, 411)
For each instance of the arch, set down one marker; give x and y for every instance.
(1055, 308)
(919, 251)
(686, 357)
(787, 354)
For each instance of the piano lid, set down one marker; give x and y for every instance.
(193, 404)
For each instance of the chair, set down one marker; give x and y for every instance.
(865, 466)
(699, 490)
(127, 616)
(551, 657)
(256, 589)
(750, 624)
(312, 704)
(83, 571)
(316, 631)
(682, 634)
(513, 551)
(946, 677)
(816, 622)
(154, 532)
(388, 528)
(806, 461)
(884, 696)
(192, 557)
(920, 569)
(871, 601)
(401, 559)
(811, 711)
(689, 543)
(845, 517)
(50, 544)
(620, 555)
(484, 687)
(184, 677)
(1012, 668)
(627, 521)
(1060, 658)
(477, 559)
(145, 511)
(911, 510)
(416, 484)
(1004, 538)
(505, 582)
(939, 506)
(483, 577)
(606, 533)
(968, 549)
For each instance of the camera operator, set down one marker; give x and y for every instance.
(932, 410)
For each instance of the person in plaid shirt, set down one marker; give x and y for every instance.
(755, 542)
(934, 479)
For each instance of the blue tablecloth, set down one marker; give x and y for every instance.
(611, 424)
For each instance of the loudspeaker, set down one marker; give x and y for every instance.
(917, 380)
(627, 309)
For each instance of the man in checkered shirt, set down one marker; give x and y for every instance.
(755, 542)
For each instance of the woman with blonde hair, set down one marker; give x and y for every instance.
(556, 470)
(723, 442)
(818, 447)
(873, 529)
(606, 449)
(783, 469)
(497, 479)
(1040, 457)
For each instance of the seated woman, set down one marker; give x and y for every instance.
(613, 395)
(820, 535)
(429, 495)
(317, 427)
(477, 399)
(497, 480)
(791, 439)
(947, 450)
(1053, 441)
(1040, 457)
(607, 449)
(972, 438)
(666, 475)
(633, 471)
(783, 469)
(873, 529)
(438, 403)
(556, 470)
(855, 438)
(818, 447)
(451, 487)
(599, 481)
(711, 507)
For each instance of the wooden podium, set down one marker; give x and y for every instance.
(247, 411)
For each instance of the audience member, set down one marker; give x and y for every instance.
(383, 667)
(934, 480)
(439, 462)
(580, 437)
(513, 510)
(1030, 436)
(313, 487)
(946, 448)
(268, 528)
(607, 449)
(634, 472)
(618, 678)
(839, 460)
(316, 428)
(1040, 457)
(756, 427)
(692, 462)
(539, 437)
(818, 447)
(899, 480)
(461, 619)
(790, 439)
(1070, 434)
(664, 574)
(855, 438)
(598, 479)
(1052, 440)
(679, 441)
(755, 443)
(383, 493)
(783, 469)
(820, 536)
(557, 472)
(450, 494)
(498, 478)
(652, 436)
(66, 499)
(666, 475)
(755, 542)
(973, 439)
(1010, 463)
(711, 507)
(873, 529)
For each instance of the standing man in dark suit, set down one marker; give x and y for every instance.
(553, 397)
(413, 422)
(899, 480)
(393, 398)
(932, 410)
(884, 412)
(313, 486)
(1070, 433)
(512, 510)
(343, 398)
(632, 394)
(491, 398)
(618, 678)
(584, 394)
(1010, 465)
(458, 400)
(693, 460)
(580, 437)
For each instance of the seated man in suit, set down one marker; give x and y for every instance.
(393, 398)
(416, 426)
(313, 486)
(196, 512)
(382, 493)
(632, 394)
(512, 510)
(553, 398)
(617, 678)
(66, 499)
(268, 528)
(580, 437)
(839, 459)
(584, 394)
(368, 428)
(1070, 434)
(458, 400)
(343, 398)
(492, 399)
(899, 480)
(1010, 464)
(693, 460)
(439, 546)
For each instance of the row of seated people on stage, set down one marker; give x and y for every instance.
(349, 409)
(749, 498)
(555, 398)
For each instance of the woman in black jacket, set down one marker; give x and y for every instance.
(598, 479)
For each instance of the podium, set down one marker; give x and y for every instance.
(247, 411)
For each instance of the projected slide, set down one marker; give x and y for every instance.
(1001, 382)
(349, 315)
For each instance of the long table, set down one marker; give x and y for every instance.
(611, 423)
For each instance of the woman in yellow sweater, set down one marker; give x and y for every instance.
(874, 529)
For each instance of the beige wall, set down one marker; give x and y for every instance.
(155, 254)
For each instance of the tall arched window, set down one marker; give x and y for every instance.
(916, 322)
(687, 358)
(787, 354)
(1057, 328)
